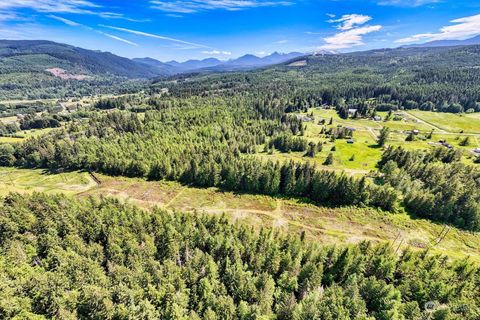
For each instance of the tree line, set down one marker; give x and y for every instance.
(435, 184)
(100, 259)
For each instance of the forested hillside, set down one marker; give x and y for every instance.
(30, 56)
(433, 79)
(45, 69)
(99, 259)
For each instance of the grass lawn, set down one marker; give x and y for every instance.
(19, 180)
(22, 135)
(364, 152)
(469, 123)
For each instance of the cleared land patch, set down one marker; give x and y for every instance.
(326, 225)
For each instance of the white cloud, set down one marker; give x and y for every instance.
(113, 15)
(352, 32)
(151, 35)
(281, 42)
(5, 16)
(66, 6)
(407, 3)
(192, 6)
(63, 6)
(174, 15)
(66, 21)
(462, 28)
(350, 21)
(348, 39)
(217, 52)
(76, 24)
(118, 38)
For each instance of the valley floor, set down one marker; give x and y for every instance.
(326, 225)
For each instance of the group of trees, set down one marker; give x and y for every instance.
(197, 144)
(436, 185)
(13, 109)
(32, 121)
(99, 259)
(7, 129)
(287, 143)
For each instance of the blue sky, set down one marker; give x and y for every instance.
(181, 30)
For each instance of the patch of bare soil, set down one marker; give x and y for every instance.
(64, 75)
(301, 63)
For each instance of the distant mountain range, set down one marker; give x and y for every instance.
(245, 62)
(447, 43)
(69, 62)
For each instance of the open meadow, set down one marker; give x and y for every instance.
(362, 154)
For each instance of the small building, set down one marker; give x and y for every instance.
(350, 141)
(477, 150)
(415, 132)
(377, 118)
(352, 112)
(351, 128)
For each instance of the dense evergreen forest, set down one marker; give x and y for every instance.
(214, 142)
(436, 185)
(205, 142)
(99, 259)
(432, 79)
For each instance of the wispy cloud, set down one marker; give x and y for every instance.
(352, 33)
(281, 42)
(349, 21)
(118, 38)
(66, 21)
(462, 28)
(192, 6)
(217, 52)
(113, 15)
(407, 3)
(6, 16)
(76, 24)
(66, 6)
(156, 36)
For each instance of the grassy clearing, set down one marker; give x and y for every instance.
(468, 123)
(363, 155)
(19, 180)
(23, 135)
(325, 225)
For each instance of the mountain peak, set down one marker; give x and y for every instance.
(446, 43)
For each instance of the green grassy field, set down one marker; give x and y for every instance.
(455, 123)
(363, 155)
(322, 224)
(22, 135)
(18, 180)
